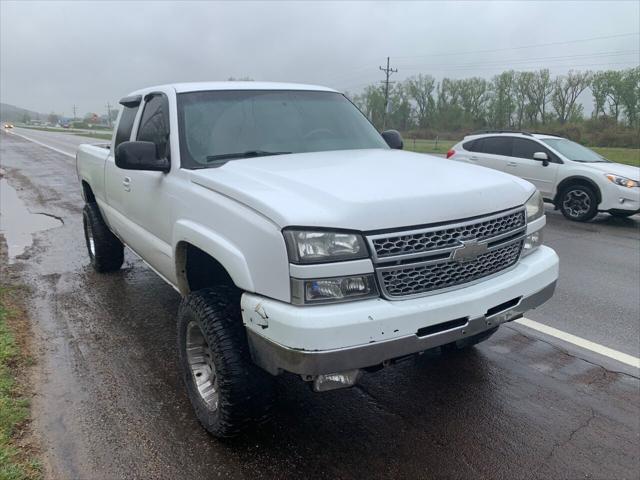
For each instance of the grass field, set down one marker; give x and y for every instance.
(16, 461)
(101, 134)
(628, 156)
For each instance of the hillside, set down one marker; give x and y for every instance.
(11, 113)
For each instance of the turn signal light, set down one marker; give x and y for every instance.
(451, 153)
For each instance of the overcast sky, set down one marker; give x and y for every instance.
(57, 54)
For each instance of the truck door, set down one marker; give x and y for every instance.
(148, 194)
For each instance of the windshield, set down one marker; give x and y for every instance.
(218, 126)
(572, 150)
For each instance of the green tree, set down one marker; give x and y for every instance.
(420, 90)
(566, 92)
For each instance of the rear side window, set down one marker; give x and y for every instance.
(495, 145)
(154, 124)
(123, 134)
(470, 146)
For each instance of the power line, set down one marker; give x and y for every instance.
(525, 67)
(527, 60)
(567, 42)
(505, 49)
(387, 71)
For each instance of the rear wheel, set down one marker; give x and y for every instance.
(229, 393)
(578, 203)
(106, 251)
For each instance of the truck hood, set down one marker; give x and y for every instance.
(617, 169)
(363, 189)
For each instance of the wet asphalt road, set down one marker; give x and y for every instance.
(110, 401)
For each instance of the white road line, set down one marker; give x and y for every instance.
(45, 145)
(581, 342)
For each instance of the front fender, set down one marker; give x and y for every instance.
(220, 248)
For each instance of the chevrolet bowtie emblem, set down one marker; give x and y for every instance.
(469, 251)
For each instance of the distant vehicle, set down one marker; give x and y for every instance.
(65, 125)
(303, 240)
(8, 125)
(575, 179)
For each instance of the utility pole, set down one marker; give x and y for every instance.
(388, 71)
(109, 114)
(74, 112)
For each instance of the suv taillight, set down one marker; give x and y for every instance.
(451, 153)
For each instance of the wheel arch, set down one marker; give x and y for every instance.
(204, 259)
(577, 180)
(87, 192)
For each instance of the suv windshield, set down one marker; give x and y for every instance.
(218, 126)
(572, 150)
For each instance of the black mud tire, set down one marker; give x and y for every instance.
(578, 202)
(106, 251)
(245, 392)
(469, 342)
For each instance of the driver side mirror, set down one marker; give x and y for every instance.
(393, 139)
(543, 157)
(140, 156)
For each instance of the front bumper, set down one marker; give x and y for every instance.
(334, 338)
(622, 199)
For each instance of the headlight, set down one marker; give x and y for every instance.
(534, 206)
(312, 246)
(622, 181)
(331, 290)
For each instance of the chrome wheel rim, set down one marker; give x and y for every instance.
(576, 203)
(203, 370)
(91, 243)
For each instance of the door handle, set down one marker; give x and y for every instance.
(126, 183)
(512, 164)
(475, 159)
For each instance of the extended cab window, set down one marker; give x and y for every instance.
(218, 126)
(125, 124)
(154, 124)
(496, 145)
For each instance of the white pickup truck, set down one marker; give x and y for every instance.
(304, 241)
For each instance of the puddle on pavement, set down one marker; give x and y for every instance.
(17, 223)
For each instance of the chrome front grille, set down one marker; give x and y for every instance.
(401, 281)
(392, 245)
(430, 260)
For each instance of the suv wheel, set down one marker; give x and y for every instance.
(106, 251)
(578, 203)
(229, 393)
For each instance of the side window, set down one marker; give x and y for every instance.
(526, 148)
(123, 134)
(523, 148)
(497, 145)
(471, 146)
(154, 124)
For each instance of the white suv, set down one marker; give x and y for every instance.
(577, 180)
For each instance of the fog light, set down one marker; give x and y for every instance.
(531, 242)
(333, 381)
(337, 289)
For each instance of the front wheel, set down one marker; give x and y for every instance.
(229, 393)
(578, 203)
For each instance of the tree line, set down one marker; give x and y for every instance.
(422, 106)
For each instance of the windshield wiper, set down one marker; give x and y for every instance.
(247, 154)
